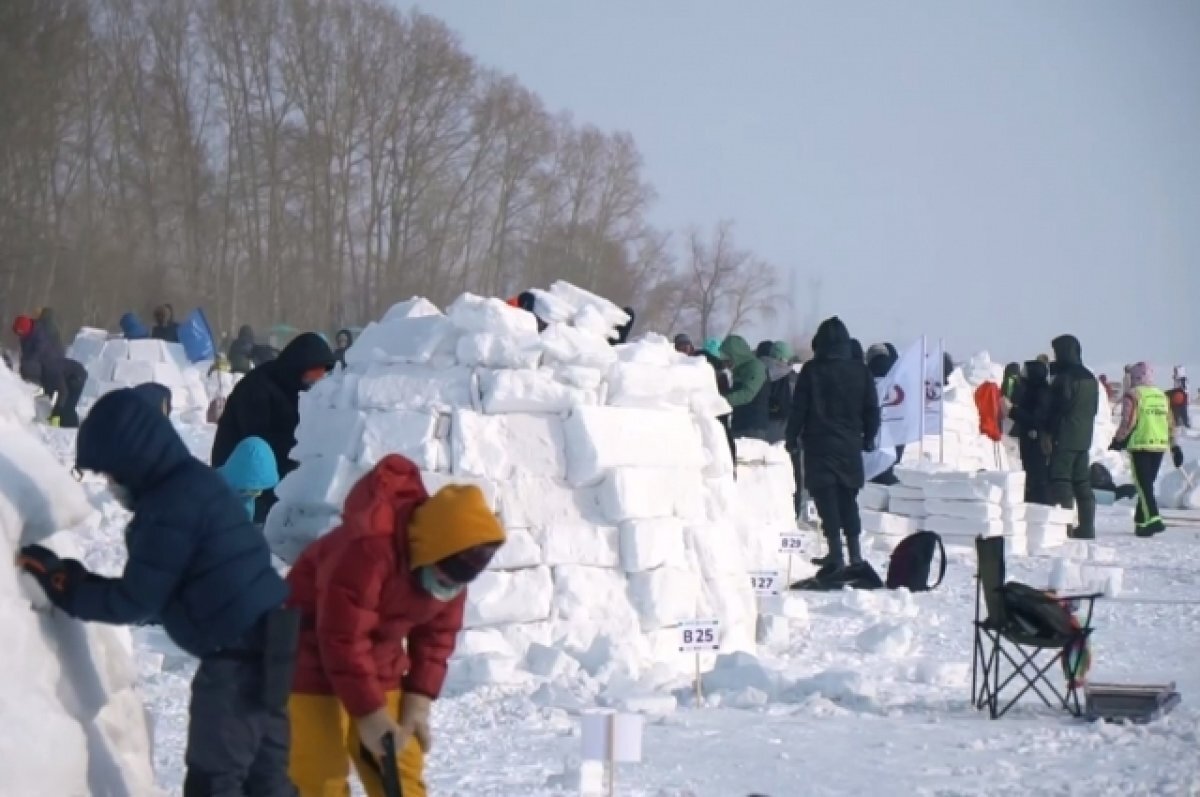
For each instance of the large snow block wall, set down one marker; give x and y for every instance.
(602, 462)
(114, 363)
(73, 721)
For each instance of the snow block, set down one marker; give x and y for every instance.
(579, 299)
(1044, 537)
(133, 372)
(594, 595)
(888, 524)
(873, 497)
(966, 510)
(529, 391)
(567, 345)
(410, 434)
(637, 493)
(502, 446)
(901, 492)
(320, 484)
(401, 340)
(963, 490)
(639, 384)
(416, 307)
(498, 598)
(548, 662)
(592, 546)
(601, 438)
(520, 550)
(147, 351)
(412, 387)
(961, 527)
(647, 544)
(289, 529)
(494, 351)
(900, 506)
(664, 597)
(328, 433)
(491, 316)
(718, 459)
(536, 502)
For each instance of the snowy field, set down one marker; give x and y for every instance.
(871, 697)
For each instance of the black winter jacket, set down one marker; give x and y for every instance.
(835, 411)
(1074, 397)
(1030, 401)
(196, 564)
(265, 403)
(241, 351)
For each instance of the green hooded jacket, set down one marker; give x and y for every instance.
(749, 373)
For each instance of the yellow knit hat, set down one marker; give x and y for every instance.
(455, 519)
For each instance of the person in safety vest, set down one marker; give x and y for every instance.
(1147, 431)
(381, 599)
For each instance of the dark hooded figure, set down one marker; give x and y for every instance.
(623, 332)
(45, 364)
(1074, 401)
(528, 302)
(198, 568)
(265, 403)
(835, 418)
(158, 395)
(856, 351)
(343, 340)
(48, 322)
(1029, 401)
(241, 351)
(165, 326)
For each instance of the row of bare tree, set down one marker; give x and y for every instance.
(310, 162)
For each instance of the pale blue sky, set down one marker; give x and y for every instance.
(997, 173)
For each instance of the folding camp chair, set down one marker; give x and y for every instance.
(998, 637)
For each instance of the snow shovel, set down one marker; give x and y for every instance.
(387, 770)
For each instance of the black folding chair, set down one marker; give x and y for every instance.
(998, 637)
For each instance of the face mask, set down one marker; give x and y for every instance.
(435, 587)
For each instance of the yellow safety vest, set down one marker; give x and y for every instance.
(1153, 429)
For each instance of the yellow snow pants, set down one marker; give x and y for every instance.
(325, 741)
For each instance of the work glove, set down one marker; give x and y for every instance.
(376, 725)
(414, 720)
(58, 578)
(1177, 456)
(55, 421)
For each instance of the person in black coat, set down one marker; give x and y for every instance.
(199, 569)
(165, 326)
(835, 418)
(344, 340)
(241, 351)
(45, 364)
(1030, 412)
(1074, 402)
(265, 403)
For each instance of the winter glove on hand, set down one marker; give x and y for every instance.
(374, 726)
(1177, 456)
(414, 719)
(57, 577)
(54, 421)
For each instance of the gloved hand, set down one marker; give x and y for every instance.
(374, 726)
(57, 577)
(54, 421)
(414, 719)
(1116, 445)
(1177, 456)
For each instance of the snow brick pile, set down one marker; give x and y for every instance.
(606, 464)
(762, 504)
(114, 363)
(74, 720)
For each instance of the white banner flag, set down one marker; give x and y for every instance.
(912, 387)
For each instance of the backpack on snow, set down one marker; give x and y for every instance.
(912, 561)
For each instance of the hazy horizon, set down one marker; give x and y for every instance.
(996, 174)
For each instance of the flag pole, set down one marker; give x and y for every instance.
(921, 403)
(942, 401)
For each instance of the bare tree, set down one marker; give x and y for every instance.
(725, 284)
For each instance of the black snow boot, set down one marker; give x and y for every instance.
(854, 549)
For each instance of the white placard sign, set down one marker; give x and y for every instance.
(791, 542)
(766, 582)
(699, 636)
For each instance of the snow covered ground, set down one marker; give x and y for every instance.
(870, 695)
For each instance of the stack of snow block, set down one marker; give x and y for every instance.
(82, 725)
(606, 464)
(960, 447)
(1081, 567)
(763, 507)
(114, 363)
(987, 504)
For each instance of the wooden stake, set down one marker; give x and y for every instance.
(612, 752)
(699, 689)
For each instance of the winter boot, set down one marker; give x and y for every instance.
(1085, 503)
(854, 549)
(834, 561)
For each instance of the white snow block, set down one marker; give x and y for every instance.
(1056, 515)
(148, 351)
(491, 316)
(596, 596)
(1013, 512)
(548, 662)
(650, 543)
(637, 493)
(1010, 482)
(133, 372)
(873, 497)
(520, 550)
(664, 597)
(481, 641)
(536, 502)
(567, 345)
(410, 434)
(920, 474)
(887, 524)
(320, 483)
(591, 546)
(487, 350)
(413, 387)
(416, 307)
(966, 510)
(529, 391)
(289, 529)
(40, 497)
(639, 384)
(773, 632)
(963, 490)
(601, 438)
(1044, 537)
(501, 446)
(902, 492)
(402, 340)
(580, 299)
(960, 527)
(328, 433)
(900, 506)
(1107, 580)
(718, 459)
(498, 598)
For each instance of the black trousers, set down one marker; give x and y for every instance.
(1145, 472)
(237, 744)
(1037, 471)
(838, 507)
(66, 407)
(1071, 487)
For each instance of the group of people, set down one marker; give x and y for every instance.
(165, 328)
(298, 678)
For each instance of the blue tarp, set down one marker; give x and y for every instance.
(196, 337)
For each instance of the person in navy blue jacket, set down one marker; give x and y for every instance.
(200, 569)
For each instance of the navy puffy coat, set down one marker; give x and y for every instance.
(196, 564)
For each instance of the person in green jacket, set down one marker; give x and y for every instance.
(1074, 401)
(750, 394)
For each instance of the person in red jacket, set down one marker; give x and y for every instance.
(381, 599)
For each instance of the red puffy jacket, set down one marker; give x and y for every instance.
(988, 401)
(360, 602)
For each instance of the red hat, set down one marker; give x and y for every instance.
(22, 326)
